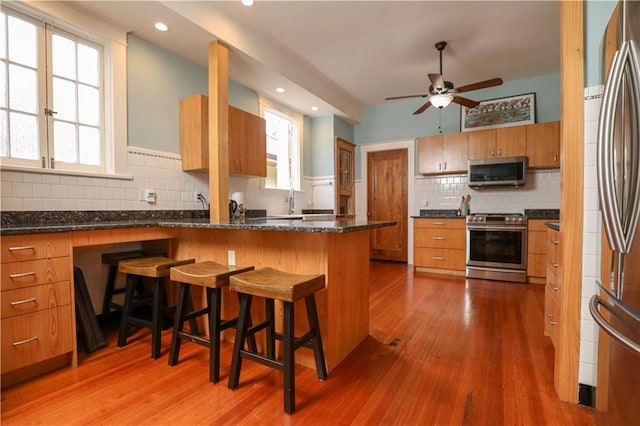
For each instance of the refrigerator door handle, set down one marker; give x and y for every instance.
(606, 326)
(605, 165)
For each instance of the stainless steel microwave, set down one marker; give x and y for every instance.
(492, 172)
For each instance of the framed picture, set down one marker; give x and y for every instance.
(501, 112)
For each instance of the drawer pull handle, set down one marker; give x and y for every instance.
(438, 223)
(554, 263)
(21, 248)
(554, 241)
(439, 238)
(24, 274)
(552, 287)
(22, 342)
(21, 302)
(437, 258)
(550, 319)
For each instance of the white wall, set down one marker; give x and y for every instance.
(591, 249)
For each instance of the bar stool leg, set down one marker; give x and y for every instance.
(108, 291)
(156, 318)
(127, 309)
(213, 300)
(174, 352)
(289, 364)
(270, 317)
(314, 324)
(241, 331)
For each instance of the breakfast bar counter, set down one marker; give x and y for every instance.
(338, 249)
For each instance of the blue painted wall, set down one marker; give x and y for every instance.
(596, 18)
(322, 137)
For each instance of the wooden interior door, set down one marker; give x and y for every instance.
(387, 200)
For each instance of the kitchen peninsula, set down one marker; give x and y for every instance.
(339, 249)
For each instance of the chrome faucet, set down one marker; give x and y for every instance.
(291, 201)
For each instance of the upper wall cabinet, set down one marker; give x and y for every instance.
(247, 143)
(247, 138)
(194, 133)
(543, 144)
(500, 142)
(443, 153)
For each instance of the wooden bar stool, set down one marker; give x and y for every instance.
(272, 284)
(112, 259)
(213, 277)
(157, 268)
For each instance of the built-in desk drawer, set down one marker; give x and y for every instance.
(36, 298)
(31, 338)
(34, 272)
(16, 248)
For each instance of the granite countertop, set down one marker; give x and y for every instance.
(553, 214)
(549, 214)
(443, 213)
(47, 221)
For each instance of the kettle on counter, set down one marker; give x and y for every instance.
(233, 207)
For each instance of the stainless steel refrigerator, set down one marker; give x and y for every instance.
(616, 307)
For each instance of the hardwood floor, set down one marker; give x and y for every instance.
(440, 351)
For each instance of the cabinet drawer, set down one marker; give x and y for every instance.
(37, 298)
(440, 258)
(550, 312)
(438, 223)
(35, 337)
(34, 272)
(554, 277)
(17, 248)
(439, 238)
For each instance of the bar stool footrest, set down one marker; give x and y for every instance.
(262, 359)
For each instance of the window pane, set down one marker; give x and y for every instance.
(64, 57)
(64, 142)
(3, 84)
(4, 138)
(23, 88)
(22, 42)
(88, 105)
(23, 129)
(3, 36)
(89, 146)
(64, 99)
(88, 65)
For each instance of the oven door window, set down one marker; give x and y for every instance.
(499, 248)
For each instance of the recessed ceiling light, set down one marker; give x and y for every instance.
(160, 26)
(247, 2)
(280, 90)
(314, 108)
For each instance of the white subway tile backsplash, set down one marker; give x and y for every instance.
(34, 204)
(31, 177)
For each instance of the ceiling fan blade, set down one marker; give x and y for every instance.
(436, 81)
(405, 97)
(464, 101)
(480, 85)
(422, 108)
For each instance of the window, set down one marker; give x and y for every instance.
(284, 130)
(62, 92)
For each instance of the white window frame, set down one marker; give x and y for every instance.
(114, 45)
(266, 103)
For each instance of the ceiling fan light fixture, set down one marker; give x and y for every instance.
(441, 100)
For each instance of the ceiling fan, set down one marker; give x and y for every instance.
(442, 92)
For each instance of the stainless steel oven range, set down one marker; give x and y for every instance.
(497, 247)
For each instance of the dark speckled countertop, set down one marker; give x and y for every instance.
(549, 214)
(443, 213)
(24, 222)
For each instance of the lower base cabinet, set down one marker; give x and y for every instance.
(439, 245)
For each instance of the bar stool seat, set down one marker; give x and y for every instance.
(272, 284)
(214, 277)
(157, 268)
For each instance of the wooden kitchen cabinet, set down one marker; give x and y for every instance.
(536, 251)
(440, 154)
(37, 321)
(345, 177)
(439, 245)
(247, 143)
(553, 290)
(500, 142)
(543, 145)
(247, 138)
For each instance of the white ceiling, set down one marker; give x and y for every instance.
(343, 56)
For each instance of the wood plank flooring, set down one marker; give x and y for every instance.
(441, 351)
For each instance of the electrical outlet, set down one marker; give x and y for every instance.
(231, 257)
(196, 196)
